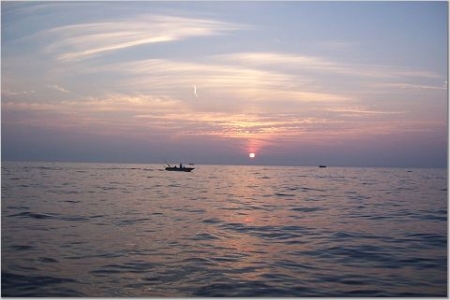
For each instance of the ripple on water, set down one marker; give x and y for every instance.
(249, 288)
(37, 286)
(128, 267)
(212, 221)
(308, 209)
(21, 247)
(44, 216)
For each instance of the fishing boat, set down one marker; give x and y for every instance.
(181, 168)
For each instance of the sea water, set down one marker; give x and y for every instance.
(110, 230)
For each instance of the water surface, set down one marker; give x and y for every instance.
(72, 229)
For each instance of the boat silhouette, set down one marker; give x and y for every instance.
(181, 168)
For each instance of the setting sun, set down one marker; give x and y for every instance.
(251, 155)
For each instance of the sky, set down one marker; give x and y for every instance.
(361, 84)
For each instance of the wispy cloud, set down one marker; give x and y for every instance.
(118, 114)
(404, 85)
(81, 41)
(291, 62)
(218, 78)
(17, 93)
(58, 88)
(274, 58)
(262, 77)
(352, 111)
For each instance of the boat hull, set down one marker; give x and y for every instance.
(176, 169)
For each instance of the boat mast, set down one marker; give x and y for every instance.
(167, 162)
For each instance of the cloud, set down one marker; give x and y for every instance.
(293, 62)
(404, 85)
(146, 116)
(19, 93)
(350, 111)
(58, 88)
(141, 117)
(124, 113)
(217, 79)
(111, 115)
(260, 77)
(82, 41)
(273, 59)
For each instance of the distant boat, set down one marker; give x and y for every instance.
(181, 168)
(322, 166)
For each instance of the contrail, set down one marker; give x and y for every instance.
(195, 90)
